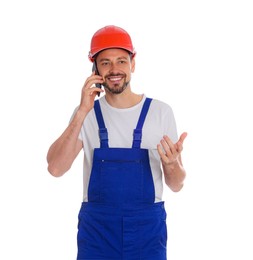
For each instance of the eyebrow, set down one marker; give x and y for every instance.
(119, 58)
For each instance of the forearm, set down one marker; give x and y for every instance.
(174, 175)
(64, 150)
(173, 169)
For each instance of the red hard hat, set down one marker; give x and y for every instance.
(110, 37)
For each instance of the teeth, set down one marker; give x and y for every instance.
(115, 79)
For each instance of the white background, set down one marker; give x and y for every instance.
(195, 55)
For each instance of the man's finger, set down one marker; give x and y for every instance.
(182, 137)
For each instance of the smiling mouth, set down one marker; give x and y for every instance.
(115, 79)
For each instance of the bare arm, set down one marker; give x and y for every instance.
(174, 172)
(65, 149)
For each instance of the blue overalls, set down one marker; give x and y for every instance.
(120, 220)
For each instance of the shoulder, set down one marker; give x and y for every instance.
(161, 107)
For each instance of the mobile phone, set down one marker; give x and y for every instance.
(94, 68)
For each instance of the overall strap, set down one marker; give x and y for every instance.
(103, 134)
(137, 135)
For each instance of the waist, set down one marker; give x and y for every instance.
(125, 209)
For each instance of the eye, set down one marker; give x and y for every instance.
(105, 63)
(122, 61)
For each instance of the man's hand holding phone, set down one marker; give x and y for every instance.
(89, 92)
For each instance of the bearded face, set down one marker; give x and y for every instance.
(115, 66)
(116, 83)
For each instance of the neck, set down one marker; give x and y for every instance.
(124, 100)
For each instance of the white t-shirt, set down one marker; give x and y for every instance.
(120, 124)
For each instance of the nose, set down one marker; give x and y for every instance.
(113, 67)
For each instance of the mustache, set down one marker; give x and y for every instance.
(115, 75)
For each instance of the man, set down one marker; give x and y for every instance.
(126, 138)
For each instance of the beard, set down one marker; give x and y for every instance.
(116, 88)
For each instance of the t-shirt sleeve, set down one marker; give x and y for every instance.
(170, 125)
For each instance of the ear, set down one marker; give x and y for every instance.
(133, 65)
